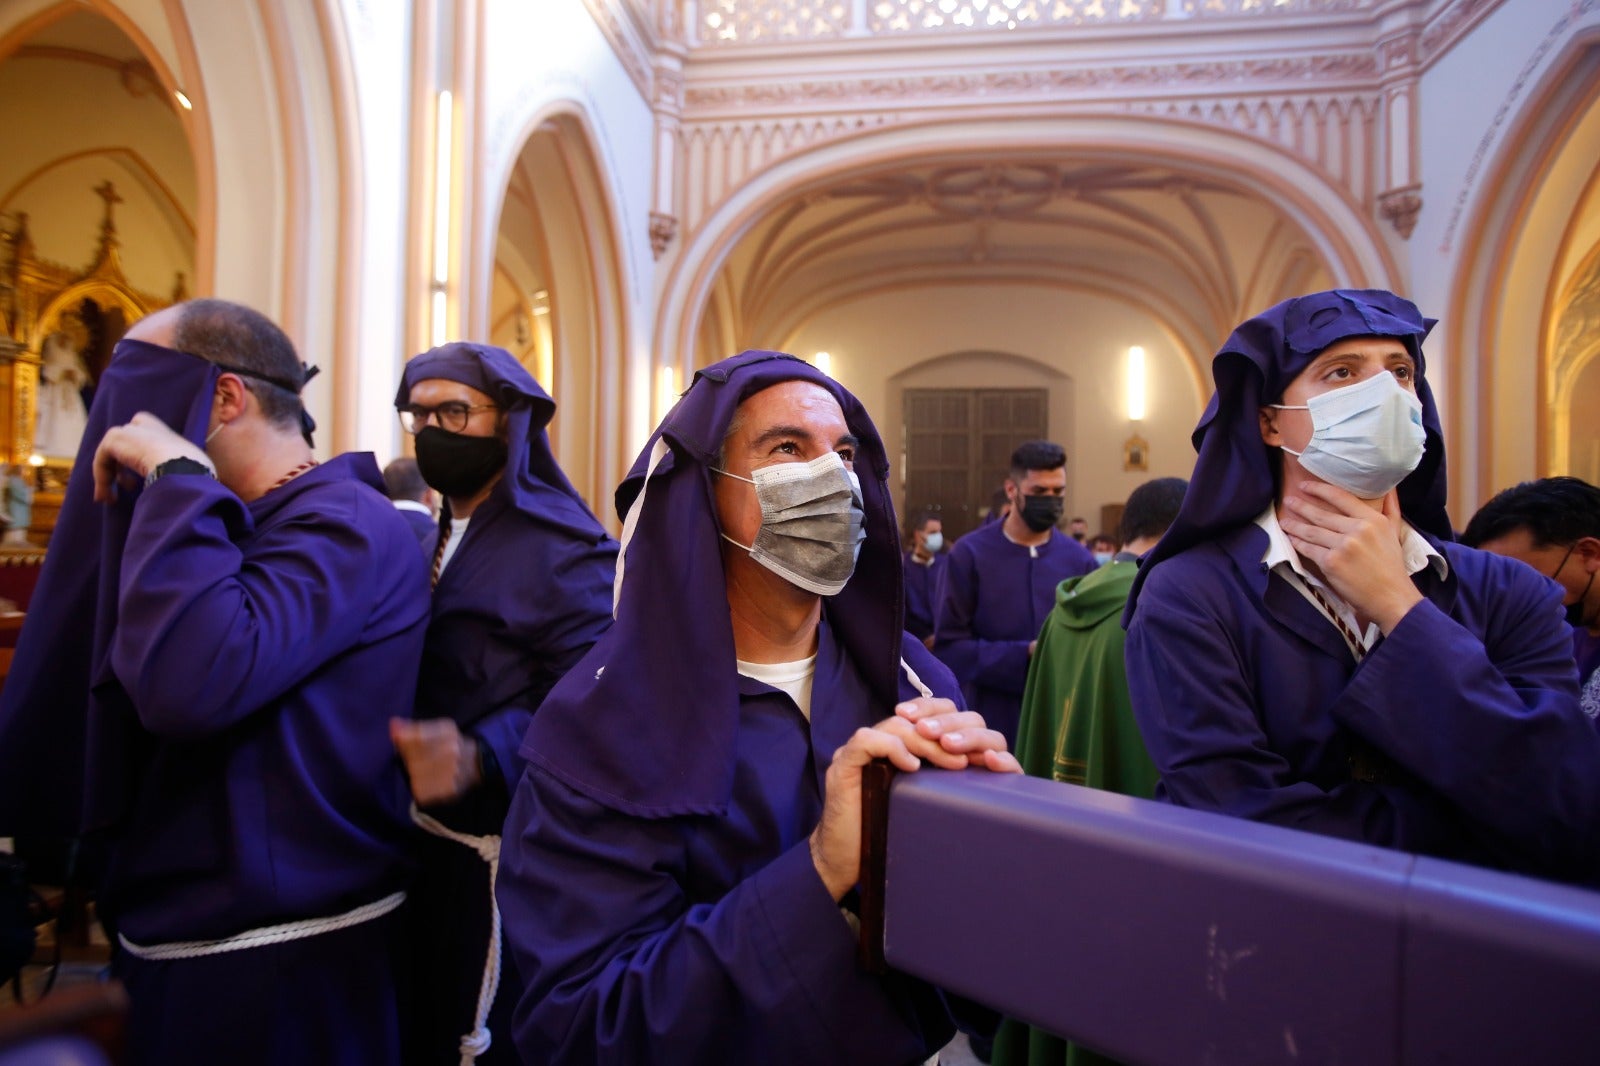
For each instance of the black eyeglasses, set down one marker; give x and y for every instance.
(451, 415)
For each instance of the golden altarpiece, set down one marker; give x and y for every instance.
(45, 304)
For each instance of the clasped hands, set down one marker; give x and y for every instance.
(924, 729)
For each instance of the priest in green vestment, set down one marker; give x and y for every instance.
(1077, 722)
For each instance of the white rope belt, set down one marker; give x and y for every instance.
(477, 1041)
(262, 937)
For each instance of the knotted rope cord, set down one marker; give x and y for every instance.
(477, 1041)
(267, 934)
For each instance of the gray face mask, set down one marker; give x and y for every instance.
(811, 522)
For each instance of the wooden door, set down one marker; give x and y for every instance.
(958, 445)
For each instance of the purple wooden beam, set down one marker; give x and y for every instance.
(1173, 937)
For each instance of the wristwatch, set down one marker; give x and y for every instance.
(181, 465)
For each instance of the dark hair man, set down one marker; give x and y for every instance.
(924, 566)
(1553, 525)
(265, 619)
(1307, 645)
(522, 576)
(689, 823)
(1001, 582)
(411, 496)
(1078, 529)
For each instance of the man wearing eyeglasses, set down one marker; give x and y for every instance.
(522, 574)
(1553, 525)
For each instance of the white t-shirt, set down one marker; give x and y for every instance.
(458, 529)
(791, 678)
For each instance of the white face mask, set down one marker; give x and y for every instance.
(1365, 438)
(932, 543)
(811, 522)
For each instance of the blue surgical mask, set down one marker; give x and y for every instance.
(933, 543)
(1365, 438)
(1102, 558)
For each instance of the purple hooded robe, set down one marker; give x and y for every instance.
(1251, 703)
(992, 600)
(523, 598)
(656, 878)
(246, 659)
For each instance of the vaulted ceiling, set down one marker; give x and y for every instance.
(1194, 253)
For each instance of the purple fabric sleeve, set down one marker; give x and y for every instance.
(205, 640)
(1490, 724)
(1193, 697)
(1472, 698)
(501, 733)
(996, 664)
(624, 969)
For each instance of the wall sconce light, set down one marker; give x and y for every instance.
(1136, 384)
(441, 218)
(823, 362)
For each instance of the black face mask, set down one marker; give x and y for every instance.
(1575, 610)
(1042, 512)
(455, 464)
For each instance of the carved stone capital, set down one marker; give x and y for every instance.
(1400, 208)
(663, 228)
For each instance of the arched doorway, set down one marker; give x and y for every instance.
(556, 299)
(1526, 301)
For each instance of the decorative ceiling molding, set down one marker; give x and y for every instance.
(634, 45)
(722, 25)
(1333, 131)
(1452, 22)
(1302, 73)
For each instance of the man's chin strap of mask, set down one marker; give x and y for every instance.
(308, 425)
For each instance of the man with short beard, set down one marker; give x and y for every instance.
(1000, 583)
(688, 828)
(522, 574)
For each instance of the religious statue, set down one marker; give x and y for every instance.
(62, 413)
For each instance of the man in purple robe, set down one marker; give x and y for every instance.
(265, 617)
(522, 587)
(1000, 583)
(924, 568)
(1308, 646)
(411, 496)
(688, 827)
(1553, 525)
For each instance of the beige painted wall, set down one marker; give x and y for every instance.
(1073, 345)
(138, 143)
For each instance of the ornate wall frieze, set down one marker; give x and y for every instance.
(1266, 73)
(1450, 25)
